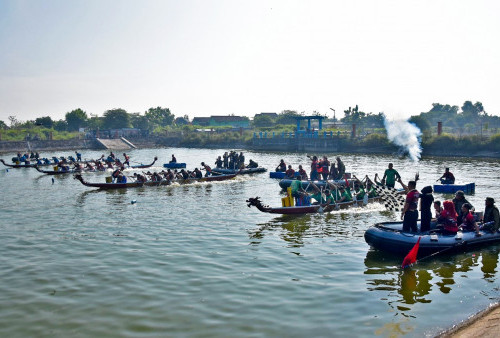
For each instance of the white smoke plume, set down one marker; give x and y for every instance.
(406, 135)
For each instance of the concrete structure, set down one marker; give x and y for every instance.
(115, 143)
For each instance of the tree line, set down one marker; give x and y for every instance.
(467, 117)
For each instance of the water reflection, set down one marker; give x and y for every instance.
(402, 288)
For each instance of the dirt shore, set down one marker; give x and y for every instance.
(485, 324)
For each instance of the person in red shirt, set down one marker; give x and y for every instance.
(468, 220)
(290, 173)
(410, 212)
(302, 173)
(447, 220)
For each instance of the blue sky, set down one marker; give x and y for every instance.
(206, 58)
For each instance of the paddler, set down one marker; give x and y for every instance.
(126, 159)
(206, 168)
(447, 178)
(281, 166)
(468, 221)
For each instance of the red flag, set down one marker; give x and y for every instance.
(412, 255)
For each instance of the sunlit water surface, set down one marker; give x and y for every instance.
(196, 261)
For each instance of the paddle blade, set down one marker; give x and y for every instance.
(412, 255)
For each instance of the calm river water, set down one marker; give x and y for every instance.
(196, 261)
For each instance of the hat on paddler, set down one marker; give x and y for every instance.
(490, 199)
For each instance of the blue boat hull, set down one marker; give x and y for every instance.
(389, 237)
(468, 188)
(176, 165)
(239, 171)
(280, 174)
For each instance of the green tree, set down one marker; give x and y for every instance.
(420, 122)
(95, 122)
(263, 121)
(160, 116)
(287, 117)
(140, 121)
(3, 125)
(60, 125)
(45, 121)
(472, 110)
(116, 119)
(76, 119)
(181, 121)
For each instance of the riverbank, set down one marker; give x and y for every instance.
(485, 324)
(309, 146)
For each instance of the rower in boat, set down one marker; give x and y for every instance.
(447, 178)
(196, 173)
(208, 170)
(140, 178)
(252, 164)
(173, 160)
(115, 174)
(281, 166)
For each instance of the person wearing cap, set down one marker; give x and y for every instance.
(448, 177)
(491, 218)
(459, 201)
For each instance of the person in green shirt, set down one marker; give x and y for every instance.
(297, 190)
(390, 176)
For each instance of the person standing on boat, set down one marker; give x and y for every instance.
(226, 160)
(325, 168)
(296, 187)
(491, 218)
(468, 221)
(218, 162)
(426, 201)
(390, 176)
(314, 168)
(340, 168)
(459, 201)
(410, 212)
(78, 156)
(447, 178)
(241, 161)
(207, 169)
(126, 159)
(334, 173)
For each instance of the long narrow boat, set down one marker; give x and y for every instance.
(142, 166)
(389, 236)
(285, 183)
(305, 209)
(25, 165)
(239, 171)
(152, 183)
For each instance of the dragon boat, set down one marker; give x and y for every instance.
(152, 183)
(239, 171)
(306, 209)
(306, 185)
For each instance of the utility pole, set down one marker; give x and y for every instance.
(334, 119)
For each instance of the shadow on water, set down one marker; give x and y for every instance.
(401, 289)
(295, 228)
